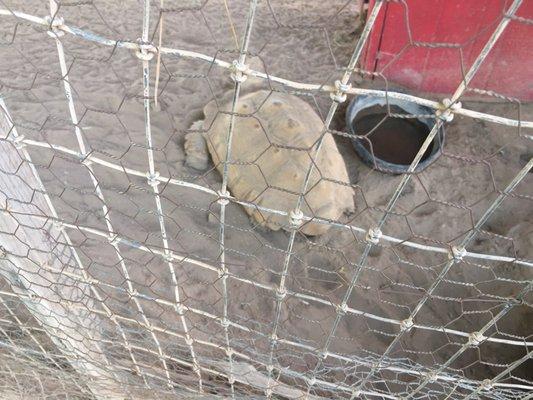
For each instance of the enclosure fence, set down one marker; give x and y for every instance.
(92, 306)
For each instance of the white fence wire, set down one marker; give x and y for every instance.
(106, 295)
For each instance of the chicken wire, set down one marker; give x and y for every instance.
(125, 277)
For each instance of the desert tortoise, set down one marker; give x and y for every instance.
(271, 154)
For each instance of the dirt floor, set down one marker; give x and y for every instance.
(306, 43)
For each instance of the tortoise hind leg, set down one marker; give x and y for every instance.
(196, 155)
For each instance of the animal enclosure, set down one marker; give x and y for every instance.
(125, 273)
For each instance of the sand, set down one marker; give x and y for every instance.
(307, 43)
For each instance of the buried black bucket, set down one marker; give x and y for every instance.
(390, 143)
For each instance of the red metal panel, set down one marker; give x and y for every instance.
(427, 45)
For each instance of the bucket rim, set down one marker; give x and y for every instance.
(363, 102)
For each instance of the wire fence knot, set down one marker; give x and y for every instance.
(153, 179)
(180, 309)
(86, 160)
(475, 339)
(18, 142)
(239, 71)
(373, 235)
(431, 377)
(145, 51)
(168, 257)
(223, 273)
(339, 95)
(457, 253)
(513, 302)
(113, 239)
(486, 384)
(447, 110)
(223, 197)
(57, 224)
(342, 309)
(296, 218)
(55, 26)
(281, 294)
(406, 324)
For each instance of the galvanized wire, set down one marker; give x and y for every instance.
(237, 332)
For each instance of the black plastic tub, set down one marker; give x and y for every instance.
(391, 143)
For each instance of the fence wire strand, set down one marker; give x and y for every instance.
(133, 264)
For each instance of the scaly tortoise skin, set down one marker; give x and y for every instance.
(271, 152)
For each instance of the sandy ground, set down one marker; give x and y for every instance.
(305, 43)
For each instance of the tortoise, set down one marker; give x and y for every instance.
(274, 137)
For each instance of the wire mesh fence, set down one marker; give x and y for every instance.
(183, 214)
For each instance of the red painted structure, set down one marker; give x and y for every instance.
(428, 45)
